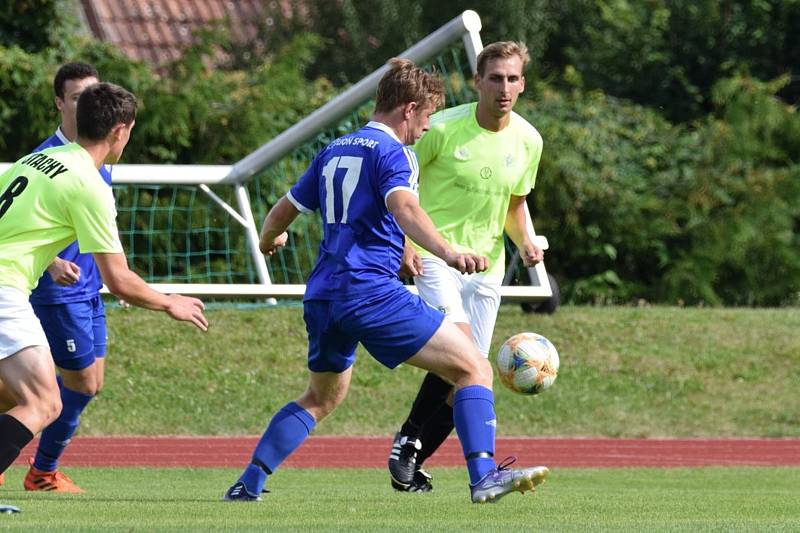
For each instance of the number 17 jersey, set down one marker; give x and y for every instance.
(349, 182)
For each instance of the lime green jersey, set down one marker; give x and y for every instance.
(468, 175)
(48, 200)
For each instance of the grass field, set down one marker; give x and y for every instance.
(709, 499)
(625, 372)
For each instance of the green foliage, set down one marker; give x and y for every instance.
(596, 198)
(191, 104)
(36, 25)
(359, 36)
(530, 21)
(669, 54)
(670, 170)
(363, 35)
(27, 111)
(198, 110)
(229, 113)
(640, 208)
(748, 193)
(666, 54)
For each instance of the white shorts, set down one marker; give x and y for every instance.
(19, 327)
(468, 298)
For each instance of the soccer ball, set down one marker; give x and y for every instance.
(527, 363)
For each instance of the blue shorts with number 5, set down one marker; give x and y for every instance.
(392, 327)
(75, 331)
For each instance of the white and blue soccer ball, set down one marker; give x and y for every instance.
(527, 363)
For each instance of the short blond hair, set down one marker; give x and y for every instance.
(405, 83)
(503, 49)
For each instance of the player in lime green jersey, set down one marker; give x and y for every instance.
(478, 162)
(48, 200)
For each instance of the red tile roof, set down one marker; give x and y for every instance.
(157, 31)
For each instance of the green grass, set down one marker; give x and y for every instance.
(710, 499)
(625, 372)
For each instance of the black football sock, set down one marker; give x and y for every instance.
(435, 432)
(14, 437)
(431, 396)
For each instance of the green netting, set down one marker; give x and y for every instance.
(177, 234)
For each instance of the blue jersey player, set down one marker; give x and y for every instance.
(68, 304)
(364, 186)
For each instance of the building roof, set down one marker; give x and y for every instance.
(157, 31)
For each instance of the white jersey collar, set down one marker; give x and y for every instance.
(61, 136)
(383, 127)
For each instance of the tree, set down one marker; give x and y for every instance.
(668, 54)
(35, 25)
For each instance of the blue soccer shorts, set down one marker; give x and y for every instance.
(75, 331)
(392, 327)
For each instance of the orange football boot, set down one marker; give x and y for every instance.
(50, 481)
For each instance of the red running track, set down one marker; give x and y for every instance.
(372, 452)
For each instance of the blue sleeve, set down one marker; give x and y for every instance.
(304, 194)
(105, 173)
(398, 170)
(48, 143)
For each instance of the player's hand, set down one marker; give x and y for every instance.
(468, 263)
(187, 309)
(411, 264)
(276, 244)
(531, 254)
(64, 272)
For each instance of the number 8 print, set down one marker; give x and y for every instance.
(13, 190)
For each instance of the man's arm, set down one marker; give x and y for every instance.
(416, 223)
(517, 229)
(278, 220)
(127, 285)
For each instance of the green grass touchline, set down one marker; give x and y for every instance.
(625, 372)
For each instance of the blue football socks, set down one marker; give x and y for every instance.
(473, 414)
(57, 435)
(287, 430)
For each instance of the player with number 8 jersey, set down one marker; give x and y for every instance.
(48, 200)
(57, 195)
